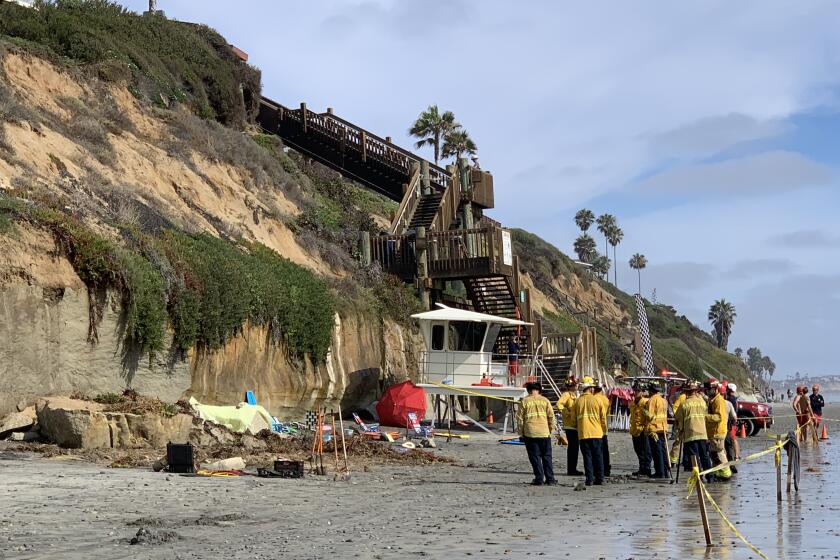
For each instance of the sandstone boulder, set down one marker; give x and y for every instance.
(73, 423)
(16, 422)
(82, 424)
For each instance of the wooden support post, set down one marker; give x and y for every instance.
(388, 139)
(778, 460)
(364, 247)
(701, 500)
(329, 110)
(422, 267)
(425, 178)
(363, 142)
(303, 115)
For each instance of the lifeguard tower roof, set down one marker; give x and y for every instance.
(454, 314)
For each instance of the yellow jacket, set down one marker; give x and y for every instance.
(605, 408)
(566, 406)
(716, 417)
(588, 411)
(535, 417)
(678, 402)
(656, 414)
(637, 416)
(690, 419)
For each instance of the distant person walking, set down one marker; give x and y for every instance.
(566, 406)
(535, 419)
(802, 409)
(637, 430)
(817, 404)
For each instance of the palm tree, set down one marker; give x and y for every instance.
(637, 263)
(456, 143)
(722, 316)
(584, 218)
(754, 360)
(432, 127)
(601, 265)
(585, 248)
(604, 223)
(614, 236)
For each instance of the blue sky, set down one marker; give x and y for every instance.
(709, 129)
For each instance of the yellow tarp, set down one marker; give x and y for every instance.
(241, 418)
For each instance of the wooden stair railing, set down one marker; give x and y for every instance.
(408, 205)
(449, 204)
(335, 135)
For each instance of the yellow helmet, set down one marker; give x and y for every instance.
(588, 380)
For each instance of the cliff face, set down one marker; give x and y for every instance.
(44, 348)
(109, 159)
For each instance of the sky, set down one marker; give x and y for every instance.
(709, 129)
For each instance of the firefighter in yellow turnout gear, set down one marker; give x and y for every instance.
(656, 414)
(536, 422)
(675, 446)
(690, 425)
(588, 410)
(716, 419)
(605, 410)
(637, 430)
(566, 406)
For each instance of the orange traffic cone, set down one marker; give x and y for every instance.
(490, 417)
(824, 433)
(743, 432)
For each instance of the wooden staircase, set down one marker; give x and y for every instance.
(430, 198)
(558, 367)
(426, 211)
(494, 295)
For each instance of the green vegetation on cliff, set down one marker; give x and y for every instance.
(163, 60)
(204, 287)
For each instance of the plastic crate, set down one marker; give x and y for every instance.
(180, 457)
(289, 469)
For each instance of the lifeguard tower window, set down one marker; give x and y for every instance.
(438, 333)
(466, 336)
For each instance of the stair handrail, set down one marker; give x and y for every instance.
(374, 145)
(410, 201)
(448, 205)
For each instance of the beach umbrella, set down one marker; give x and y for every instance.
(397, 401)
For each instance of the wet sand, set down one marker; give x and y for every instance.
(479, 508)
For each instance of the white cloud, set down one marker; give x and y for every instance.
(759, 174)
(806, 239)
(710, 135)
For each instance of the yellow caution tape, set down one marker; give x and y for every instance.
(730, 525)
(746, 459)
(694, 481)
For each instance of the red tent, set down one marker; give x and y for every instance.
(398, 401)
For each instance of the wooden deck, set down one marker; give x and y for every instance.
(452, 255)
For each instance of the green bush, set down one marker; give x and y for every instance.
(205, 287)
(218, 287)
(108, 398)
(166, 61)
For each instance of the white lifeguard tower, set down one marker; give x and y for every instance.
(459, 358)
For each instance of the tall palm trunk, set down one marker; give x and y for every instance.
(639, 270)
(437, 146)
(615, 266)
